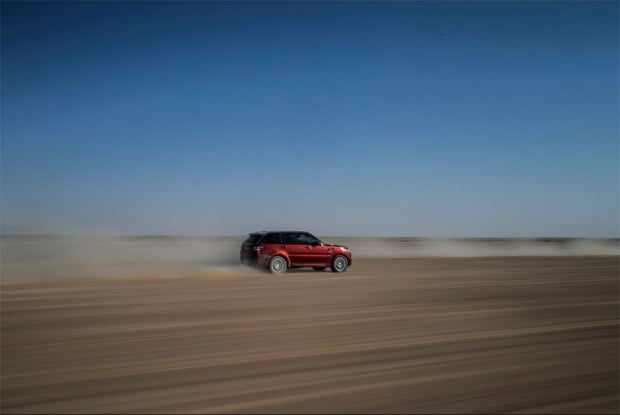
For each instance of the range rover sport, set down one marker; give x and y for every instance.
(280, 250)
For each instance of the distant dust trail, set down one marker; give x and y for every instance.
(28, 257)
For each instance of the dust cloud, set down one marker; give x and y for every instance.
(480, 247)
(103, 256)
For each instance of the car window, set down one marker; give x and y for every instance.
(289, 238)
(271, 238)
(306, 238)
(252, 239)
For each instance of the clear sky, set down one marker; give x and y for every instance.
(342, 118)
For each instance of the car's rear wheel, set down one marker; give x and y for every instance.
(277, 264)
(318, 268)
(340, 263)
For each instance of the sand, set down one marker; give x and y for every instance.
(405, 335)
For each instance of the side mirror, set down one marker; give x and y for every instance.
(317, 243)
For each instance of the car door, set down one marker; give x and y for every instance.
(317, 253)
(296, 249)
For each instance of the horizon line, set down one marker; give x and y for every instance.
(189, 236)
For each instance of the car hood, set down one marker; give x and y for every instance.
(336, 245)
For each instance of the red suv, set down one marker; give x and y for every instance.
(289, 249)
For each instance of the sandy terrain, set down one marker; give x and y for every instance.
(413, 335)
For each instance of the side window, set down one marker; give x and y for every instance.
(306, 238)
(251, 240)
(289, 238)
(271, 238)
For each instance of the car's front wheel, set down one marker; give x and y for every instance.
(277, 264)
(340, 263)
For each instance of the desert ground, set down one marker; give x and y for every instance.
(500, 334)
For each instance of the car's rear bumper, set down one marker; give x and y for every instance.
(249, 257)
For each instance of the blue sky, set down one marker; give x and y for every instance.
(343, 118)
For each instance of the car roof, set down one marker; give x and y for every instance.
(266, 232)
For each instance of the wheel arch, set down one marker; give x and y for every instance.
(283, 255)
(335, 254)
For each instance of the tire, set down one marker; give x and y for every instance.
(277, 264)
(318, 268)
(340, 263)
